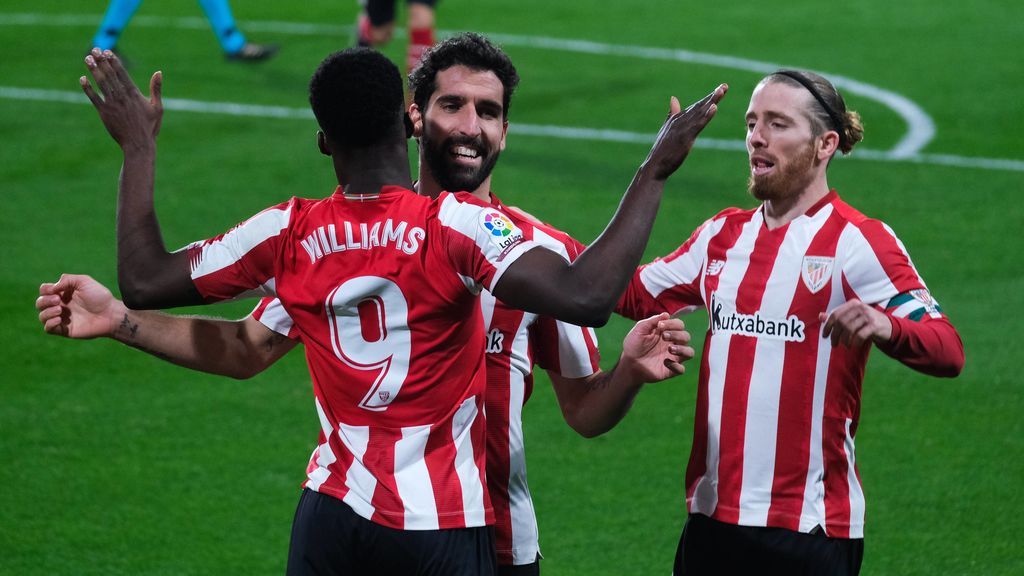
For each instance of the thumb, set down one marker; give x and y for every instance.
(673, 106)
(156, 85)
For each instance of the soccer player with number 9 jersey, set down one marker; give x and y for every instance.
(381, 286)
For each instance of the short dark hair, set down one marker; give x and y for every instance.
(468, 49)
(828, 112)
(356, 95)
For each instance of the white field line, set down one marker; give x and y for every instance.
(561, 132)
(920, 127)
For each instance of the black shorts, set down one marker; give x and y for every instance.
(708, 546)
(531, 569)
(328, 537)
(382, 12)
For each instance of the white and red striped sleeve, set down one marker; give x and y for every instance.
(671, 283)
(879, 271)
(479, 240)
(242, 261)
(876, 265)
(272, 314)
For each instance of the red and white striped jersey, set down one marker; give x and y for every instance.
(515, 342)
(777, 405)
(382, 292)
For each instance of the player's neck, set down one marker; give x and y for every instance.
(367, 171)
(779, 212)
(428, 186)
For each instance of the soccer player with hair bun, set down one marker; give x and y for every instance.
(798, 290)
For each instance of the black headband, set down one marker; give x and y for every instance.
(836, 120)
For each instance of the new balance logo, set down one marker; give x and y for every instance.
(731, 322)
(495, 341)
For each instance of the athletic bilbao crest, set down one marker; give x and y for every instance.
(816, 272)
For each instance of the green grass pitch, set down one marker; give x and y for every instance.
(112, 462)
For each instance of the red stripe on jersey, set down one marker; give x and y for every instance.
(697, 466)
(892, 258)
(796, 394)
(440, 457)
(842, 402)
(498, 401)
(379, 459)
(738, 372)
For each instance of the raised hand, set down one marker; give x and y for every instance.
(76, 306)
(131, 119)
(656, 348)
(679, 132)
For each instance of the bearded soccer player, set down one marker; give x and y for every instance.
(462, 84)
(396, 482)
(797, 291)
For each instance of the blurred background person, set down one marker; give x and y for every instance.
(231, 39)
(376, 25)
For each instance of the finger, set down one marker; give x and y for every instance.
(673, 106)
(106, 77)
(48, 313)
(46, 288)
(47, 300)
(675, 367)
(683, 352)
(676, 337)
(89, 92)
(156, 88)
(56, 326)
(124, 79)
(99, 73)
(826, 330)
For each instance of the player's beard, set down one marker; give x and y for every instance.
(451, 176)
(792, 177)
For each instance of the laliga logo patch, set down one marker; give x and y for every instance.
(498, 225)
(816, 272)
(502, 231)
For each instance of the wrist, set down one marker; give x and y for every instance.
(146, 147)
(887, 328)
(629, 372)
(120, 322)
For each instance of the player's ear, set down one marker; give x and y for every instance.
(828, 145)
(504, 132)
(321, 143)
(415, 117)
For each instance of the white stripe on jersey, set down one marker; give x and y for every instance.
(705, 496)
(856, 493)
(465, 465)
(358, 479)
(863, 269)
(324, 455)
(570, 339)
(239, 241)
(762, 421)
(413, 478)
(276, 318)
(524, 519)
(905, 253)
(464, 218)
(813, 512)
